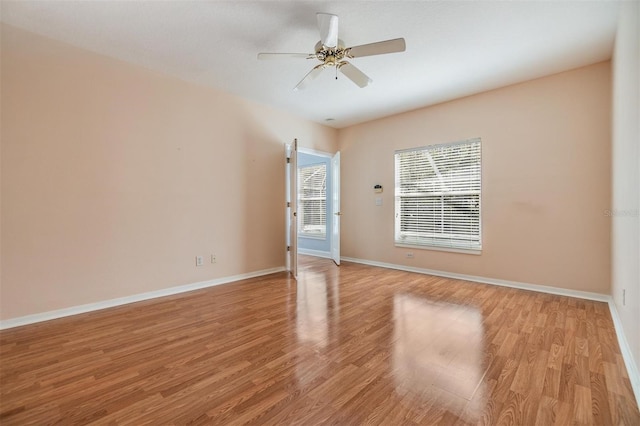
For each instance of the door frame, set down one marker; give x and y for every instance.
(336, 214)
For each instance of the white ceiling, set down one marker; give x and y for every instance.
(454, 48)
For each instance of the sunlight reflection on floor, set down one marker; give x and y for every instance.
(438, 347)
(311, 315)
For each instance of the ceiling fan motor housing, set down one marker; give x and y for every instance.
(330, 56)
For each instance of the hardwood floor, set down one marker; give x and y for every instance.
(348, 345)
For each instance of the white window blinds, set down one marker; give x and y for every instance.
(438, 192)
(312, 201)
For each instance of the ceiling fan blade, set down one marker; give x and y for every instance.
(388, 46)
(311, 75)
(269, 56)
(354, 74)
(328, 25)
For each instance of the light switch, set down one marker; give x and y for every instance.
(378, 201)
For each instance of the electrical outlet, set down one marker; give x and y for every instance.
(199, 261)
(410, 255)
(624, 297)
(213, 258)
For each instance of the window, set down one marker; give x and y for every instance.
(312, 201)
(438, 196)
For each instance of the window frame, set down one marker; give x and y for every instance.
(432, 245)
(301, 214)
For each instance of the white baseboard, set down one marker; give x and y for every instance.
(504, 283)
(74, 310)
(316, 253)
(625, 349)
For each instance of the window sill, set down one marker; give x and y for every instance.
(476, 252)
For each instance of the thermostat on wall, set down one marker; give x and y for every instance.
(377, 188)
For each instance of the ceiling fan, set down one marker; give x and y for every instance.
(331, 52)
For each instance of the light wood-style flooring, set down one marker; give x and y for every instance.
(348, 345)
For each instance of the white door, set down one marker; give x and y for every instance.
(291, 227)
(335, 194)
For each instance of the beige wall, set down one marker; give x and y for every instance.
(545, 176)
(626, 178)
(115, 177)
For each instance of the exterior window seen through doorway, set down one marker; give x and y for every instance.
(312, 201)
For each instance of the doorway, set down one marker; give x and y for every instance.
(318, 204)
(313, 221)
(314, 204)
